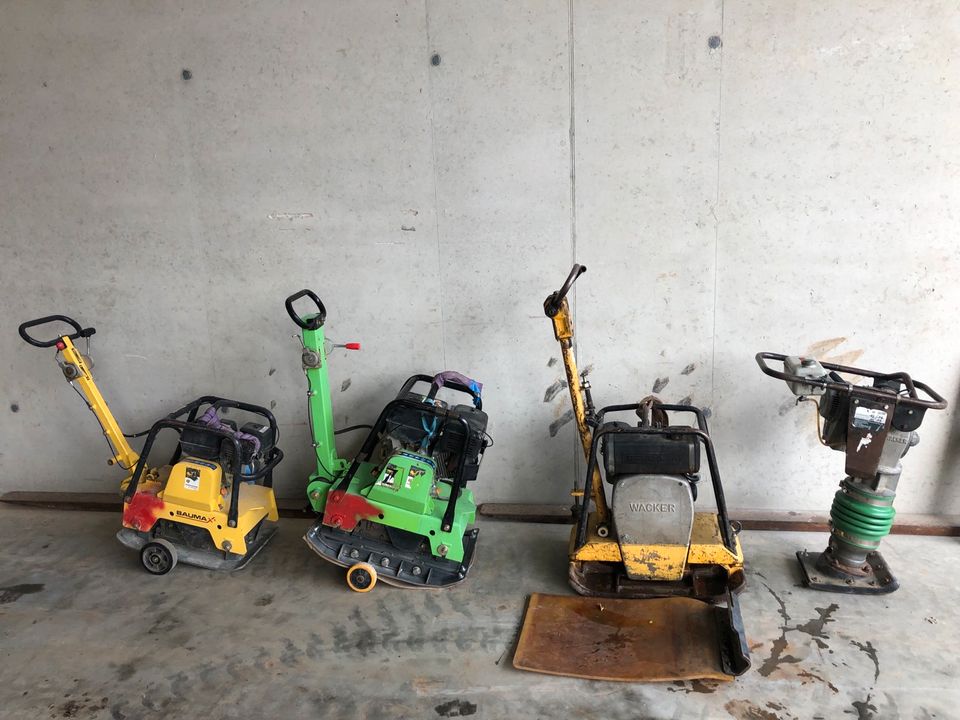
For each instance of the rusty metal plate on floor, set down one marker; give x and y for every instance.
(617, 639)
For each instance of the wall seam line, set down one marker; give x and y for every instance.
(436, 190)
(572, 140)
(716, 224)
(572, 132)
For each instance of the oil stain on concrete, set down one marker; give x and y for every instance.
(456, 708)
(15, 592)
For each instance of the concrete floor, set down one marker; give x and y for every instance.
(85, 633)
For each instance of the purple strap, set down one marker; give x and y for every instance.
(453, 376)
(212, 419)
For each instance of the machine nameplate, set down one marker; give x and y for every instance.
(868, 418)
(194, 516)
(660, 507)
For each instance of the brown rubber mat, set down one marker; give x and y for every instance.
(616, 639)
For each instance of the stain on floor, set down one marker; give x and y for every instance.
(456, 708)
(15, 592)
(746, 710)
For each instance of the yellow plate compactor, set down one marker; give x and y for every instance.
(212, 505)
(645, 542)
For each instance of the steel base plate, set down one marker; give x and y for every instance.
(208, 559)
(632, 640)
(819, 575)
(402, 568)
(607, 579)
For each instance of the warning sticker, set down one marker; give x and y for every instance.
(872, 419)
(192, 479)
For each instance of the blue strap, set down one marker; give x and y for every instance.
(429, 430)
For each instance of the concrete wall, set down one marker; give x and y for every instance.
(794, 188)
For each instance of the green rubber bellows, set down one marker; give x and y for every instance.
(861, 518)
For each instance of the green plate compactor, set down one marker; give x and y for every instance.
(400, 510)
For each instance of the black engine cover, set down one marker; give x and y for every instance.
(411, 425)
(649, 454)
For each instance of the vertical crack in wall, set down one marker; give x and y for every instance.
(716, 223)
(436, 191)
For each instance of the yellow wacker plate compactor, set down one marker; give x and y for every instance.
(657, 581)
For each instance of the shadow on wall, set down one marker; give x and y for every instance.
(946, 495)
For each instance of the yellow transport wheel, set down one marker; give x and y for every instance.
(361, 577)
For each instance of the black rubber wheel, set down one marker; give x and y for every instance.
(158, 557)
